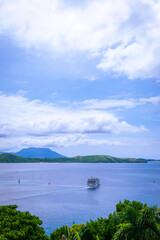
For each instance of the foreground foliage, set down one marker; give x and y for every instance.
(16, 225)
(131, 221)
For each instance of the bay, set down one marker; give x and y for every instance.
(57, 192)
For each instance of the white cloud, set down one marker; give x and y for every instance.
(78, 141)
(69, 140)
(118, 103)
(138, 56)
(39, 23)
(30, 120)
(136, 60)
(152, 100)
(124, 34)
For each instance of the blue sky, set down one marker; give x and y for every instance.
(80, 77)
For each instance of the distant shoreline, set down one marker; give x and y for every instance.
(11, 158)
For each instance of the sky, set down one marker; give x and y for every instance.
(80, 77)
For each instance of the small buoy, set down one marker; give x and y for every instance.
(19, 181)
(49, 183)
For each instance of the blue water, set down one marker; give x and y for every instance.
(67, 198)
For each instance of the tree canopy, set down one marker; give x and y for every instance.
(17, 225)
(131, 221)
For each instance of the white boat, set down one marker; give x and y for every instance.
(93, 182)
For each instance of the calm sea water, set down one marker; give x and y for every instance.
(67, 198)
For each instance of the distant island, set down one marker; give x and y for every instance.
(33, 155)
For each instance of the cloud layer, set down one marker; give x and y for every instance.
(19, 117)
(119, 103)
(124, 34)
(26, 123)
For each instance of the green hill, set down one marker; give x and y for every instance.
(10, 158)
(106, 159)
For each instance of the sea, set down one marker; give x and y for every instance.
(58, 194)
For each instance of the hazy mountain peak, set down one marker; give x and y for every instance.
(34, 152)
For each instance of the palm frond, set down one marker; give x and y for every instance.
(77, 237)
(125, 232)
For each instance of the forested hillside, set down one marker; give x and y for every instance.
(10, 158)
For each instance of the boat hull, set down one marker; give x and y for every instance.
(93, 186)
